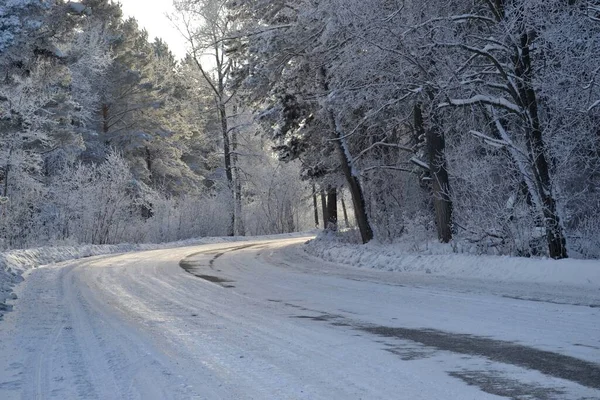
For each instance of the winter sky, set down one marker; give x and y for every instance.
(152, 16)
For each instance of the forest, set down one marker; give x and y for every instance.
(475, 123)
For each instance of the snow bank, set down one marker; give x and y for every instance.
(440, 260)
(14, 263)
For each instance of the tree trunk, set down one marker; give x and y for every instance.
(315, 205)
(345, 212)
(440, 186)
(324, 208)
(239, 227)
(146, 209)
(148, 160)
(332, 216)
(7, 172)
(228, 169)
(419, 134)
(537, 151)
(354, 186)
(289, 217)
(358, 199)
(105, 126)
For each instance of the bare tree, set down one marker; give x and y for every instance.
(205, 26)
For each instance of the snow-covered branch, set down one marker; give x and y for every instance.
(420, 163)
(594, 105)
(482, 99)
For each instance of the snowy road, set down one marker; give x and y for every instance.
(263, 320)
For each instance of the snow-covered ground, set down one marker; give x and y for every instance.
(13, 264)
(266, 320)
(573, 281)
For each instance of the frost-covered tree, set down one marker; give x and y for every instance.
(287, 70)
(206, 25)
(42, 106)
(467, 113)
(78, 83)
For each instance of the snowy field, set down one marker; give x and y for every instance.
(266, 320)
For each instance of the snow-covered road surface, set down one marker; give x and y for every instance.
(263, 320)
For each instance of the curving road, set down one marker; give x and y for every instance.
(263, 320)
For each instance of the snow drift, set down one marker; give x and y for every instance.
(440, 259)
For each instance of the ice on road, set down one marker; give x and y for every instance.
(263, 320)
